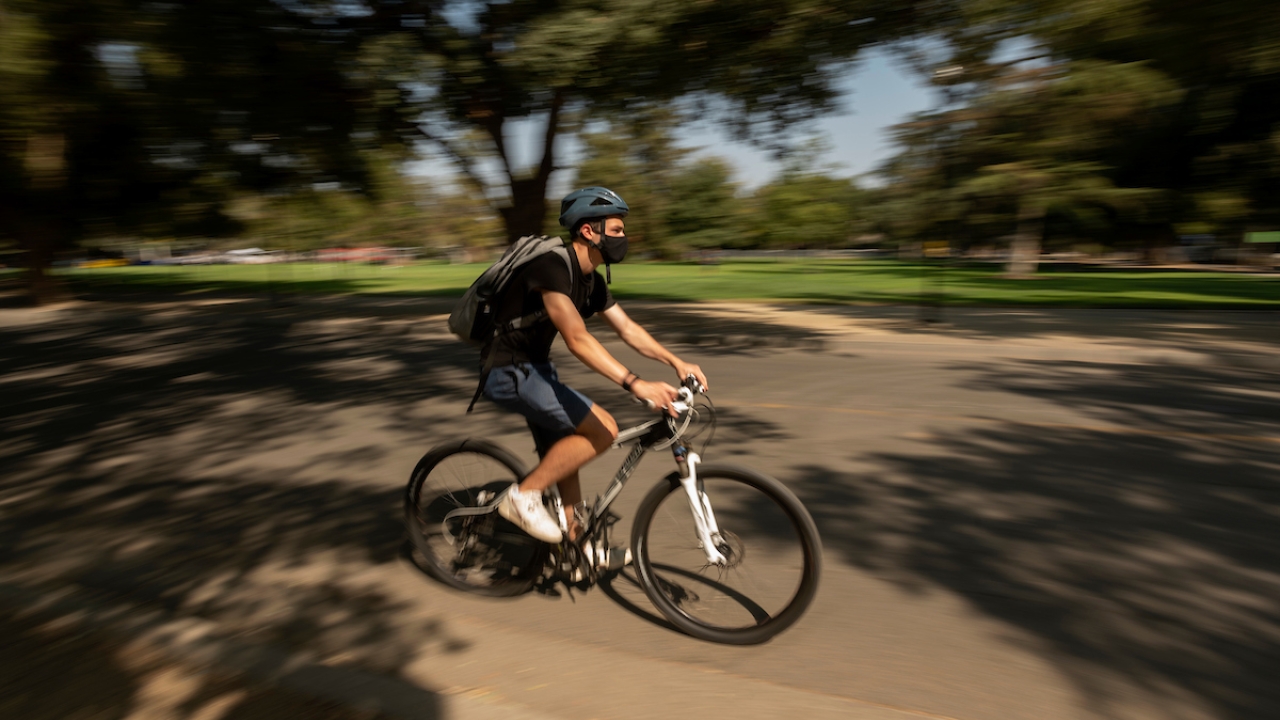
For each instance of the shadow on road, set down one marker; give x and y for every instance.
(1141, 553)
(53, 669)
(124, 439)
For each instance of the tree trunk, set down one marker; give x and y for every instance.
(42, 288)
(39, 234)
(528, 210)
(1024, 257)
(40, 225)
(1156, 242)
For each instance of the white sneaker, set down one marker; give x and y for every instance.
(526, 511)
(602, 558)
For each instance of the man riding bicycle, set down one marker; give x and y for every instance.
(569, 430)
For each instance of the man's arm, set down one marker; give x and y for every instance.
(586, 348)
(642, 342)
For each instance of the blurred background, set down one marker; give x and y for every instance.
(154, 132)
(1058, 503)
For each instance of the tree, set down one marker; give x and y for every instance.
(1027, 142)
(704, 211)
(678, 204)
(1033, 190)
(395, 209)
(1035, 124)
(638, 158)
(1190, 97)
(130, 117)
(810, 211)
(135, 117)
(760, 65)
(806, 206)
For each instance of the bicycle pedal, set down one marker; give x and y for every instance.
(572, 564)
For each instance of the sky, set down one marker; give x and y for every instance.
(878, 94)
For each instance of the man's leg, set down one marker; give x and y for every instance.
(594, 435)
(569, 430)
(570, 495)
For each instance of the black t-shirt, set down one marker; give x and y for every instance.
(523, 296)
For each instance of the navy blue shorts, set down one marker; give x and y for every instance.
(553, 410)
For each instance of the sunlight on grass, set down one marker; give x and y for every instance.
(830, 282)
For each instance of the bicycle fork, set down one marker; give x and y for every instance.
(704, 520)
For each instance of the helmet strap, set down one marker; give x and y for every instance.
(608, 270)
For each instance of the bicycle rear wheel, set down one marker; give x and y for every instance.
(773, 552)
(482, 553)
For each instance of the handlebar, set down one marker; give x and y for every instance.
(691, 383)
(689, 389)
(661, 432)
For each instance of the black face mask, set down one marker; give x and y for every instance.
(613, 248)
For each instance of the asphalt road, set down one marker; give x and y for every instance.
(1025, 514)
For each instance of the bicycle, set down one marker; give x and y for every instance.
(695, 537)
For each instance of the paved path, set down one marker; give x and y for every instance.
(1026, 514)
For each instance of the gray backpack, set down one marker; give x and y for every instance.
(472, 318)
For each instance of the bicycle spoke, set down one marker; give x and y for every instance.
(472, 552)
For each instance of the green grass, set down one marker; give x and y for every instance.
(305, 278)
(819, 282)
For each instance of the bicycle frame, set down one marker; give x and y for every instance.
(687, 463)
(662, 433)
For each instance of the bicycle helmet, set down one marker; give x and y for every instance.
(590, 204)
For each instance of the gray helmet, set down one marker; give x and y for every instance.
(590, 204)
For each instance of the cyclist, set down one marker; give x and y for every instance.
(569, 430)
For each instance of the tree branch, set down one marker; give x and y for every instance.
(547, 164)
(458, 158)
(493, 125)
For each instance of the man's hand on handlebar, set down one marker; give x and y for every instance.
(684, 370)
(655, 395)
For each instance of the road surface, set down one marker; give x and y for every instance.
(1025, 514)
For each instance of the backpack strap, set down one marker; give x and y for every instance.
(484, 378)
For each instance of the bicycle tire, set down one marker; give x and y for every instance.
(489, 556)
(749, 507)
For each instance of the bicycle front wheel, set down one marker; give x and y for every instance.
(480, 553)
(773, 556)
